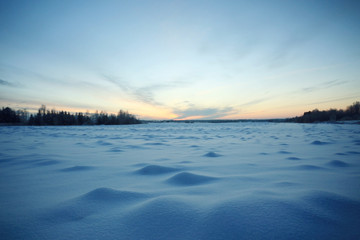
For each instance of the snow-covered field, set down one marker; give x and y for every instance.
(181, 181)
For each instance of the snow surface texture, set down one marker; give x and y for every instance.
(181, 181)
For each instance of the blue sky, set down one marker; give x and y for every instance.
(180, 59)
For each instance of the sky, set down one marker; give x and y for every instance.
(180, 59)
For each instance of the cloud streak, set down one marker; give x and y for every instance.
(323, 85)
(204, 113)
(254, 102)
(24, 76)
(6, 83)
(145, 94)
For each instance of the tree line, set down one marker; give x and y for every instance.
(352, 112)
(53, 117)
(44, 116)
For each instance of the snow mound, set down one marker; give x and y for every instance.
(115, 150)
(96, 202)
(353, 152)
(308, 167)
(46, 163)
(156, 170)
(273, 218)
(111, 195)
(165, 217)
(338, 209)
(284, 152)
(103, 143)
(156, 144)
(212, 154)
(338, 163)
(319, 143)
(77, 169)
(190, 179)
(341, 154)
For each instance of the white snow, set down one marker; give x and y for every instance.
(181, 181)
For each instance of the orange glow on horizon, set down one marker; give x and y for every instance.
(153, 113)
(152, 117)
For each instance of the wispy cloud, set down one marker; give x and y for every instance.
(324, 100)
(323, 85)
(335, 100)
(6, 83)
(285, 50)
(204, 113)
(254, 102)
(142, 94)
(145, 94)
(301, 71)
(23, 75)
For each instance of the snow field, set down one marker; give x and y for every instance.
(181, 181)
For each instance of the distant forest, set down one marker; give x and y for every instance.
(53, 117)
(332, 115)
